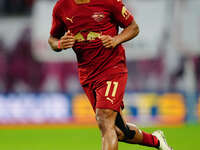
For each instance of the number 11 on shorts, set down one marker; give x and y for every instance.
(109, 83)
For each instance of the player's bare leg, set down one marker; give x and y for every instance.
(106, 122)
(129, 133)
(133, 134)
(138, 136)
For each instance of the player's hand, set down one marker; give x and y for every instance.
(108, 41)
(67, 41)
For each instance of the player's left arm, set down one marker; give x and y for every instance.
(124, 19)
(127, 34)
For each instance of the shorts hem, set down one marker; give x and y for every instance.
(107, 107)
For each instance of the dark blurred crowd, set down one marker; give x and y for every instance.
(21, 72)
(15, 7)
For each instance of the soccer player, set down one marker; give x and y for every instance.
(90, 27)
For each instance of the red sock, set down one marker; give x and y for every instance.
(150, 140)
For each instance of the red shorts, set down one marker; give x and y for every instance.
(107, 93)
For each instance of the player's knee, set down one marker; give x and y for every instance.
(126, 134)
(105, 120)
(120, 134)
(124, 131)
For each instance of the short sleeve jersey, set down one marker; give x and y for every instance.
(87, 22)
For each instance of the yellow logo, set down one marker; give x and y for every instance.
(90, 37)
(70, 19)
(125, 13)
(79, 37)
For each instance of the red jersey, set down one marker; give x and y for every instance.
(87, 22)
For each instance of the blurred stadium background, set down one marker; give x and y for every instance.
(40, 88)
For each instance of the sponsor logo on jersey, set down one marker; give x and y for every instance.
(90, 37)
(98, 16)
(93, 35)
(79, 37)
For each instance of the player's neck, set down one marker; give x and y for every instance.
(81, 1)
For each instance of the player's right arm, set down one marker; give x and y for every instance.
(65, 42)
(59, 39)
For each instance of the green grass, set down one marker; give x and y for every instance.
(180, 138)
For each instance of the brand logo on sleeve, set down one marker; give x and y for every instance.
(98, 16)
(125, 13)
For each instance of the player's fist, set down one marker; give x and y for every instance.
(108, 41)
(66, 41)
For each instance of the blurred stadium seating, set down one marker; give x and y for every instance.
(40, 86)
